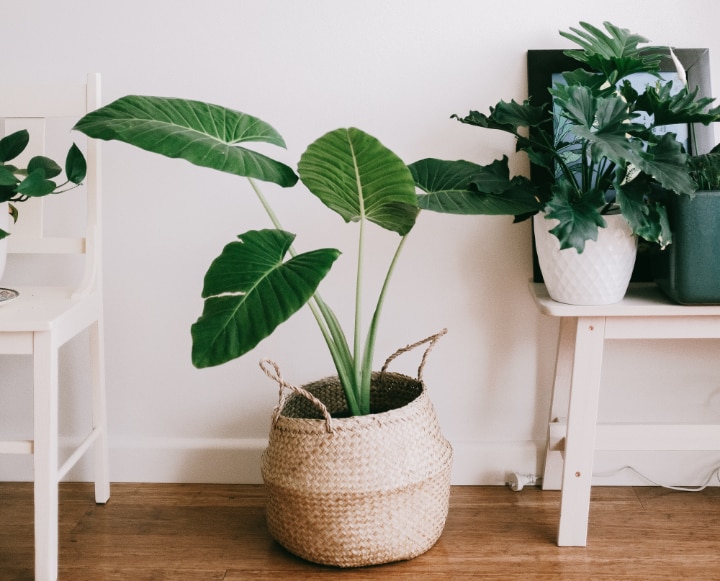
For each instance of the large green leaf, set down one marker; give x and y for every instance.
(355, 175)
(201, 133)
(576, 102)
(646, 218)
(595, 82)
(507, 116)
(579, 217)
(603, 122)
(667, 163)
(462, 187)
(616, 53)
(249, 291)
(682, 107)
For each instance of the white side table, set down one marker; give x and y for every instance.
(574, 434)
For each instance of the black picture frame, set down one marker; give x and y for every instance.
(543, 64)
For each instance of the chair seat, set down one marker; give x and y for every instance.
(46, 308)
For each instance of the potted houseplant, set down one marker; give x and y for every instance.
(691, 272)
(341, 490)
(609, 164)
(37, 179)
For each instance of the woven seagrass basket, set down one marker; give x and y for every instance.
(356, 491)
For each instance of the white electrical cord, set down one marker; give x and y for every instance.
(517, 481)
(715, 472)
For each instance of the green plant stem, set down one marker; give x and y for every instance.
(587, 170)
(269, 211)
(67, 190)
(358, 281)
(372, 332)
(340, 353)
(358, 312)
(599, 174)
(326, 320)
(549, 146)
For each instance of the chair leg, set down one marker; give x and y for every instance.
(45, 371)
(99, 412)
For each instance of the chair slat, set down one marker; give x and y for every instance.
(55, 245)
(68, 100)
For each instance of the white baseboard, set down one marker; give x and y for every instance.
(216, 460)
(231, 461)
(490, 463)
(182, 460)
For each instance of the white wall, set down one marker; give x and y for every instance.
(396, 69)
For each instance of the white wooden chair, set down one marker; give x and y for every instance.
(43, 318)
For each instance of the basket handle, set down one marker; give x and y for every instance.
(275, 375)
(272, 370)
(431, 343)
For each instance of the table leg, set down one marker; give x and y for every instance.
(552, 474)
(581, 427)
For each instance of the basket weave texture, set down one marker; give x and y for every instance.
(362, 490)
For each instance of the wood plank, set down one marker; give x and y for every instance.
(198, 532)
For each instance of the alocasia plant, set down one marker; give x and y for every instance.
(259, 280)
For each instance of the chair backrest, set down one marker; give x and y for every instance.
(48, 112)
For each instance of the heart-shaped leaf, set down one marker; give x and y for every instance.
(201, 133)
(45, 164)
(35, 185)
(355, 175)
(249, 291)
(13, 145)
(7, 177)
(75, 165)
(463, 187)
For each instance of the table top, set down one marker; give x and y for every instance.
(641, 300)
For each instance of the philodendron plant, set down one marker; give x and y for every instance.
(604, 150)
(253, 286)
(18, 184)
(705, 169)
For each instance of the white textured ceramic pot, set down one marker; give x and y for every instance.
(4, 225)
(600, 275)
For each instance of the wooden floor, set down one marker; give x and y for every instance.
(196, 532)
